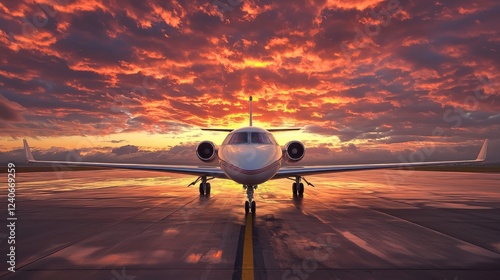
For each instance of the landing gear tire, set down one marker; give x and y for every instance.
(301, 189)
(207, 192)
(247, 207)
(294, 189)
(253, 206)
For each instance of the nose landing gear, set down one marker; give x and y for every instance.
(250, 203)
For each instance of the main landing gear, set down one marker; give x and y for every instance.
(204, 187)
(250, 203)
(298, 186)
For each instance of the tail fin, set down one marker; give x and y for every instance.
(270, 129)
(251, 123)
(250, 99)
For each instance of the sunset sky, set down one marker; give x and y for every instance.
(368, 80)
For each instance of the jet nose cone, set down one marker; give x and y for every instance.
(250, 164)
(251, 157)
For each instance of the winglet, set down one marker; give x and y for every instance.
(482, 153)
(29, 156)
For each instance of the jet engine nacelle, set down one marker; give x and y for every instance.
(294, 151)
(206, 151)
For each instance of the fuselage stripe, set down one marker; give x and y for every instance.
(250, 172)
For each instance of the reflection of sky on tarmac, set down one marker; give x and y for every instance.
(99, 256)
(136, 218)
(422, 188)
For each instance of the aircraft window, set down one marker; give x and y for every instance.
(239, 138)
(259, 138)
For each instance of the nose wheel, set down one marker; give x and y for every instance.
(250, 204)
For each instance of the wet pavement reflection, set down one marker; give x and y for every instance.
(360, 225)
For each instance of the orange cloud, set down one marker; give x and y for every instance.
(98, 68)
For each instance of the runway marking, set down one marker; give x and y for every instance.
(247, 271)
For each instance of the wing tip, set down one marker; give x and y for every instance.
(27, 151)
(482, 154)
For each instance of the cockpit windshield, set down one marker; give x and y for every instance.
(259, 138)
(239, 138)
(250, 138)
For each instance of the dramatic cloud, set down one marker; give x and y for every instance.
(365, 77)
(125, 150)
(10, 111)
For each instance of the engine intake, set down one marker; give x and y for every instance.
(294, 151)
(206, 151)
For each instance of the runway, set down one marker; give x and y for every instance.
(360, 225)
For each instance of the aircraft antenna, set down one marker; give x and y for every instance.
(250, 110)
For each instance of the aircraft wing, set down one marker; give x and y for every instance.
(292, 171)
(191, 170)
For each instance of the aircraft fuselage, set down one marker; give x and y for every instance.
(250, 156)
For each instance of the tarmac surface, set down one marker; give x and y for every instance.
(358, 225)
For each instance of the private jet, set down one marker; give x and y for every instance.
(251, 156)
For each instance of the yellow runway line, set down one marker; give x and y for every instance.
(247, 272)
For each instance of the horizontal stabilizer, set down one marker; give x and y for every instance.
(218, 129)
(283, 129)
(268, 129)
